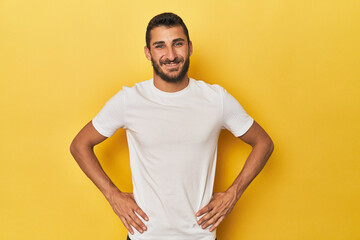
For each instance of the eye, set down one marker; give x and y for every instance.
(159, 46)
(178, 44)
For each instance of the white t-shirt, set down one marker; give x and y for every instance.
(172, 139)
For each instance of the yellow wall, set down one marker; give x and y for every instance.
(293, 65)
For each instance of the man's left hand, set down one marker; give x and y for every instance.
(217, 209)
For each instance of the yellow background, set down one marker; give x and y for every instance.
(293, 65)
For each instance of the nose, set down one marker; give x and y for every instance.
(171, 54)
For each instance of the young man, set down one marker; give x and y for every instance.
(172, 124)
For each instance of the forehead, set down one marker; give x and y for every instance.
(164, 33)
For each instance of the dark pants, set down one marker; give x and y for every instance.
(130, 239)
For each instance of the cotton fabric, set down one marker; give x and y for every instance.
(172, 140)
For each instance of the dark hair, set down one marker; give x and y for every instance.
(167, 19)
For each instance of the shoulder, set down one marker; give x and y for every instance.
(207, 87)
(143, 84)
(136, 88)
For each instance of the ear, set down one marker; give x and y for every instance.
(147, 53)
(190, 48)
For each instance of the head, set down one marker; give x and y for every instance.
(168, 47)
(166, 19)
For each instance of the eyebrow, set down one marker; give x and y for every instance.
(179, 40)
(175, 40)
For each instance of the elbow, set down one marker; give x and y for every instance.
(78, 147)
(73, 148)
(265, 145)
(269, 146)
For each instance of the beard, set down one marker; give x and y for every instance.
(168, 78)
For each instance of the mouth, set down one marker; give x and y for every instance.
(171, 65)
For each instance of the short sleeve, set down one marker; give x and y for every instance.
(235, 118)
(111, 116)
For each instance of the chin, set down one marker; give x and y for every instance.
(175, 76)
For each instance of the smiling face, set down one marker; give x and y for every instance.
(169, 53)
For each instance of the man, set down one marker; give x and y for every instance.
(172, 124)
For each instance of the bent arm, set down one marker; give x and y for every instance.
(82, 149)
(262, 148)
(222, 203)
(123, 204)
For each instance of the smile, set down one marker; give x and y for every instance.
(171, 65)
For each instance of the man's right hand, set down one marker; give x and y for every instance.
(124, 206)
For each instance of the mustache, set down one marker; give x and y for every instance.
(176, 60)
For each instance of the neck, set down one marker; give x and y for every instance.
(170, 87)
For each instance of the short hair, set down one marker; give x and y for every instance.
(167, 19)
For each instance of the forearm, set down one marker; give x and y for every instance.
(88, 162)
(253, 165)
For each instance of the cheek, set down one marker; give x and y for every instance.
(183, 53)
(156, 56)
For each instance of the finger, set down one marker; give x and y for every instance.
(213, 227)
(137, 219)
(137, 223)
(133, 224)
(206, 217)
(212, 220)
(128, 227)
(205, 209)
(139, 211)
